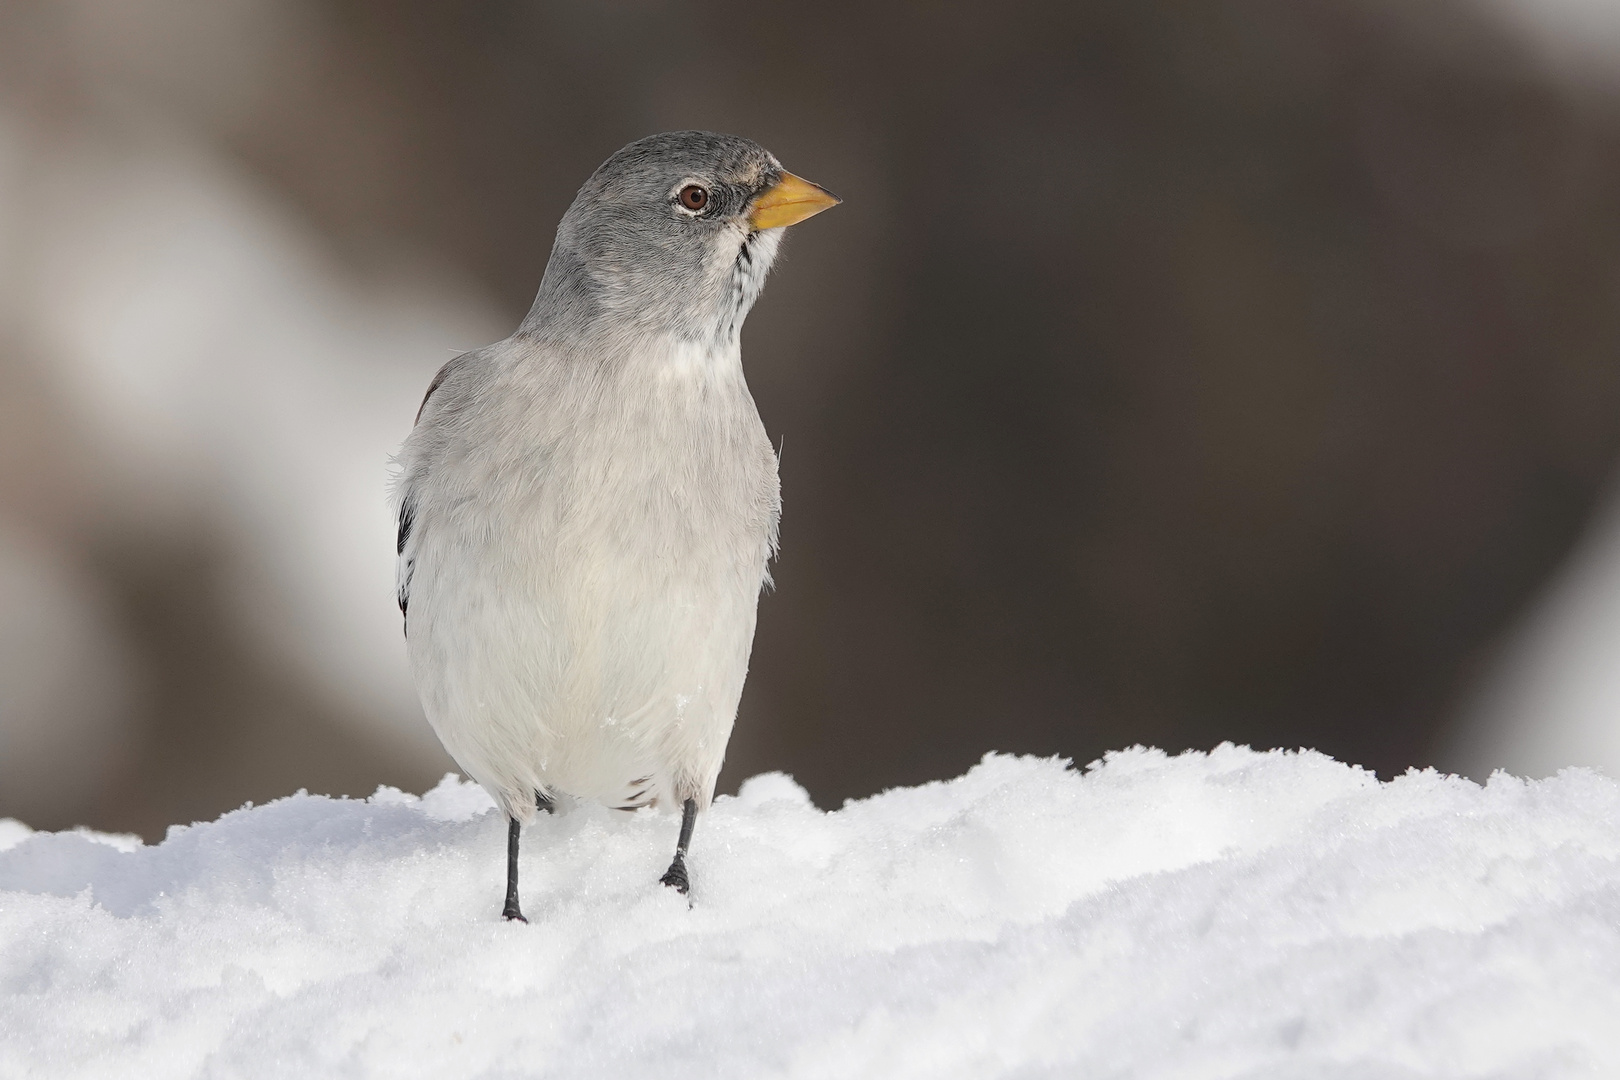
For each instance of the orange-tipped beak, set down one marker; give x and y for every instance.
(789, 201)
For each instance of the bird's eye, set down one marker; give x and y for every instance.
(693, 197)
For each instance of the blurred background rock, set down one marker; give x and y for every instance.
(1173, 373)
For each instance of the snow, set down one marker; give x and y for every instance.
(1230, 914)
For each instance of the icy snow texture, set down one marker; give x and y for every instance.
(1231, 914)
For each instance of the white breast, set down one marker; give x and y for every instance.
(587, 550)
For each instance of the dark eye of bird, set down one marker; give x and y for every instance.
(693, 197)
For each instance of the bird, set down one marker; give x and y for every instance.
(587, 510)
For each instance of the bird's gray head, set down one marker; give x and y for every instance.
(672, 236)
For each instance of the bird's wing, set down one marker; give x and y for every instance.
(411, 460)
(406, 563)
(439, 380)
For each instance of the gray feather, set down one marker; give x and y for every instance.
(587, 508)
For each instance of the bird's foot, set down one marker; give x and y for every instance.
(675, 877)
(512, 914)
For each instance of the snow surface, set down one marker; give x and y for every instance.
(1231, 914)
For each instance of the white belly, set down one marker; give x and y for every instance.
(602, 681)
(581, 612)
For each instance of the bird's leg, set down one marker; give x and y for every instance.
(512, 911)
(675, 877)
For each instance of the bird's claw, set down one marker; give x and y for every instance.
(675, 877)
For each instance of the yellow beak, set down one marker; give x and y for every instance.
(789, 201)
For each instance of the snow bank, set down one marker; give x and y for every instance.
(1231, 914)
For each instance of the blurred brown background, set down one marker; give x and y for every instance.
(1173, 373)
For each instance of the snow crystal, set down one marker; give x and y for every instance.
(1230, 914)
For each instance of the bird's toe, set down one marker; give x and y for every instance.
(675, 877)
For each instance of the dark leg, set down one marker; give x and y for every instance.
(675, 877)
(512, 911)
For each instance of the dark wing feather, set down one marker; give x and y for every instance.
(407, 518)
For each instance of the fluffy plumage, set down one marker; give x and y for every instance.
(586, 509)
